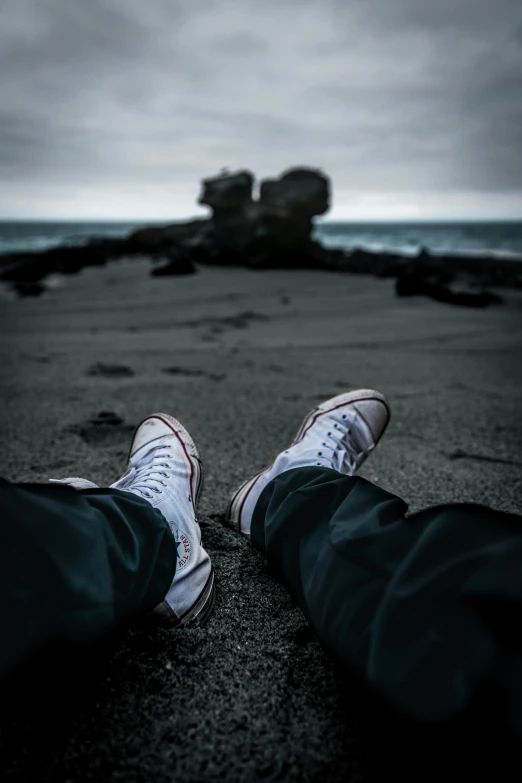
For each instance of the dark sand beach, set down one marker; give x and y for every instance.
(240, 357)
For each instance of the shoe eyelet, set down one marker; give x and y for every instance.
(344, 416)
(319, 453)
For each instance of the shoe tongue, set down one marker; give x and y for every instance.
(332, 428)
(350, 429)
(148, 449)
(125, 480)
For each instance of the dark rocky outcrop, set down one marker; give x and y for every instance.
(24, 289)
(231, 227)
(33, 267)
(286, 208)
(416, 285)
(299, 193)
(228, 195)
(173, 264)
(452, 279)
(157, 240)
(271, 231)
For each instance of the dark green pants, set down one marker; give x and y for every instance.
(75, 565)
(427, 609)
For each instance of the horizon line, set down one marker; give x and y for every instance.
(317, 222)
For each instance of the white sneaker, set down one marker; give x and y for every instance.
(338, 434)
(165, 469)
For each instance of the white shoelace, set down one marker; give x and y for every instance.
(346, 440)
(145, 475)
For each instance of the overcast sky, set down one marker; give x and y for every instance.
(117, 108)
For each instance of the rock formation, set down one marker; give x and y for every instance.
(271, 231)
(228, 195)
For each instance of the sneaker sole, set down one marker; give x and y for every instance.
(361, 395)
(199, 613)
(202, 609)
(163, 616)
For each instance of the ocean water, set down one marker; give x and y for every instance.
(500, 239)
(21, 235)
(503, 239)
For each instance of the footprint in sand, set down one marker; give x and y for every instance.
(106, 428)
(192, 372)
(109, 371)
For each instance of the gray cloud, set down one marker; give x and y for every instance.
(119, 107)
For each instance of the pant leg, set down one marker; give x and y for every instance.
(425, 608)
(75, 565)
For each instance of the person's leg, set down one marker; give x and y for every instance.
(74, 565)
(77, 561)
(426, 608)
